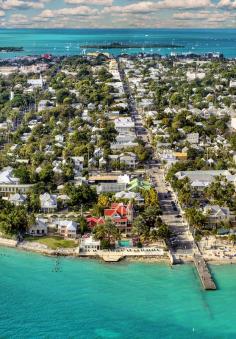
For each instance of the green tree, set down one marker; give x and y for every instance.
(221, 191)
(107, 233)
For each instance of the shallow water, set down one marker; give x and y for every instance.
(68, 41)
(43, 297)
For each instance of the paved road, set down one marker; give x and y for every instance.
(182, 241)
(172, 215)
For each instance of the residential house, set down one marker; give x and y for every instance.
(67, 228)
(216, 215)
(94, 221)
(124, 125)
(9, 184)
(191, 75)
(40, 228)
(130, 196)
(89, 244)
(138, 184)
(119, 183)
(34, 83)
(129, 159)
(232, 83)
(48, 202)
(17, 199)
(202, 179)
(44, 104)
(193, 138)
(122, 216)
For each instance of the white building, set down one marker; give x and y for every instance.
(232, 83)
(34, 83)
(89, 244)
(48, 202)
(67, 228)
(9, 184)
(202, 179)
(17, 199)
(39, 229)
(216, 215)
(191, 76)
(124, 125)
(193, 138)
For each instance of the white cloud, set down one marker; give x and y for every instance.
(140, 7)
(206, 15)
(226, 3)
(75, 11)
(20, 4)
(150, 6)
(90, 2)
(184, 4)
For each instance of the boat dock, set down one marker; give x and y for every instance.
(204, 272)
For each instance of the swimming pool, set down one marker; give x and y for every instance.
(125, 243)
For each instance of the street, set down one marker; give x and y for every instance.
(182, 241)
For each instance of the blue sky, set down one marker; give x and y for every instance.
(117, 13)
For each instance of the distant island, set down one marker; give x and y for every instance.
(115, 45)
(11, 49)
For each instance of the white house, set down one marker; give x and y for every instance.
(44, 104)
(67, 228)
(216, 215)
(34, 83)
(124, 125)
(232, 83)
(89, 244)
(48, 202)
(193, 138)
(191, 76)
(17, 199)
(9, 184)
(40, 228)
(59, 138)
(202, 179)
(128, 158)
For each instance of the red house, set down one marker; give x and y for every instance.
(121, 215)
(94, 221)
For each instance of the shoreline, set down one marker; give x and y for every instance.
(63, 252)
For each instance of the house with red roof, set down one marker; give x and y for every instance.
(94, 221)
(121, 215)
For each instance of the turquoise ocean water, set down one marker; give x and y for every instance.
(68, 41)
(89, 299)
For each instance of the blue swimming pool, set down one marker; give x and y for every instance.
(125, 243)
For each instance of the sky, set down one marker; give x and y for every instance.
(117, 14)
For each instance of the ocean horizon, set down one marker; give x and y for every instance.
(89, 299)
(68, 41)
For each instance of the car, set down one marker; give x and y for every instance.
(178, 216)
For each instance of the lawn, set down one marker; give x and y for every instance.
(53, 242)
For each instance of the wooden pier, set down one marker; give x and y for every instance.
(204, 273)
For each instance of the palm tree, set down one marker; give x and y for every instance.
(195, 217)
(107, 231)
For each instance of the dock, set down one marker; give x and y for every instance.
(110, 256)
(204, 273)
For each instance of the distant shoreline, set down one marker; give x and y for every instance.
(11, 49)
(119, 45)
